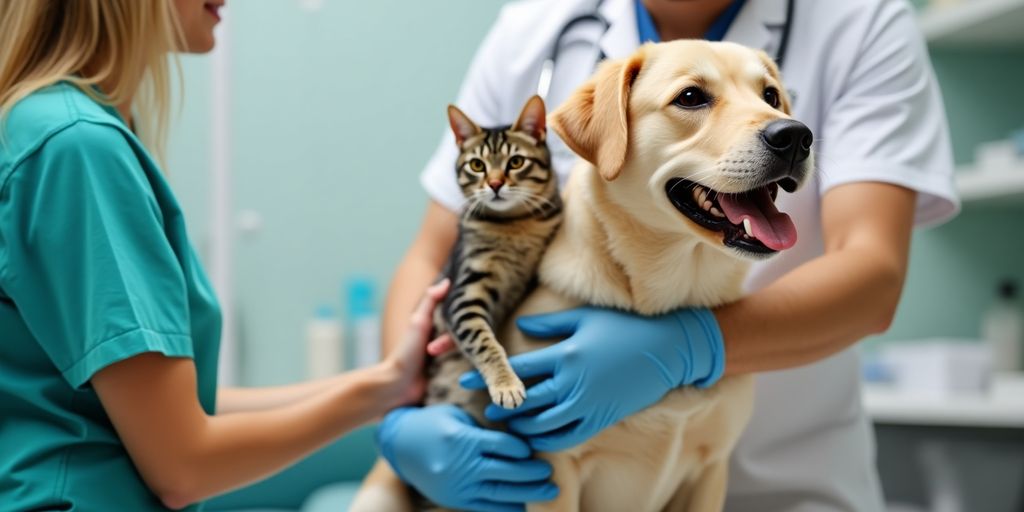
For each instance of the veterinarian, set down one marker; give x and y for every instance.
(860, 78)
(109, 329)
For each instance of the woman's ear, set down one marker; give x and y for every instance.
(462, 126)
(594, 121)
(532, 119)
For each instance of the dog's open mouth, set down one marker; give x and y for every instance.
(748, 221)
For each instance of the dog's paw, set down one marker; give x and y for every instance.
(508, 394)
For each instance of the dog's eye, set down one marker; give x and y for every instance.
(692, 97)
(476, 165)
(771, 96)
(516, 162)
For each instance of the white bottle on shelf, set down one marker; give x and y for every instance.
(1003, 328)
(364, 321)
(325, 354)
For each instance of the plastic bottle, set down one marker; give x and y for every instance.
(364, 321)
(1003, 328)
(325, 354)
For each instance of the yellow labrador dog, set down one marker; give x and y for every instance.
(685, 147)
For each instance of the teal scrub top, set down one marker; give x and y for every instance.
(95, 267)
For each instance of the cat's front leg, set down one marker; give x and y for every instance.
(477, 342)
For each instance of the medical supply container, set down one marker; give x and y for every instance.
(325, 344)
(364, 321)
(1003, 328)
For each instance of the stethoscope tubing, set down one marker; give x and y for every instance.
(594, 16)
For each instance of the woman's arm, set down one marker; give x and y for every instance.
(232, 400)
(421, 266)
(830, 302)
(185, 455)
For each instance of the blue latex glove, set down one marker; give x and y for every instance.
(612, 364)
(441, 451)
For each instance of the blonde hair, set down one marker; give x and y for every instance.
(125, 45)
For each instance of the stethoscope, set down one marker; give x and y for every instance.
(595, 18)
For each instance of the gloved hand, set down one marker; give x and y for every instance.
(442, 452)
(612, 364)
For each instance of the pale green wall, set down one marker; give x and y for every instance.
(336, 111)
(334, 114)
(188, 153)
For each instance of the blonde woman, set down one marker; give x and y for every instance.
(109, 330)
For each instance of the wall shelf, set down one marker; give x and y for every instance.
(991, 185)
(1003, 407)
(975, 23)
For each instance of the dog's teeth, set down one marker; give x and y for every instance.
(697, 191)
(746, 227)
(704, 198)
(716, 212)
(707, 205)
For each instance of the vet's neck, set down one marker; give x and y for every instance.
(601, 256)
(691, 19)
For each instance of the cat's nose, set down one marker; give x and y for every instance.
(495, 184)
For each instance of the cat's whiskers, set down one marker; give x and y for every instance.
(474, 203)
(534, 206)
(542, 199)
(535, 202)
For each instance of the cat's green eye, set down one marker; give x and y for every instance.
(516, 162)
(477, 165)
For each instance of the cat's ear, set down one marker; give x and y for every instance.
(594, 121)
(532, 119)
(462, 126)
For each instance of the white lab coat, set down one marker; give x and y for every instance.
(861, 80)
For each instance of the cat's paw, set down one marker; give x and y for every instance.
(508, 394)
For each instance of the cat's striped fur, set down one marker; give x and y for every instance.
(512, 211)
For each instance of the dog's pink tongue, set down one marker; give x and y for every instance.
(773, 228)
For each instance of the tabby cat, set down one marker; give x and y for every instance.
(512, 211)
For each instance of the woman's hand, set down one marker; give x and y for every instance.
(613, 364)
(404, 365)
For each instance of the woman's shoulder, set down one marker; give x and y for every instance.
(56, 123)
(56, 120)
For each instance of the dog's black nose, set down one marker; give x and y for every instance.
(790, 140)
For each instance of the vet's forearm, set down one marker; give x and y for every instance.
(233, 450)
(185, 455)
(830, 302)
(238, 399)
(811, 313)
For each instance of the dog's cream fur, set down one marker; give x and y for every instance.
(624, 245)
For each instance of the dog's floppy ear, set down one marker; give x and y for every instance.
(784, 102)
(462, 126)
(532, 119)
(594, 121)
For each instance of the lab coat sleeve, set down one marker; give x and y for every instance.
(886, 122)
(480, 98)
(97, 280)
